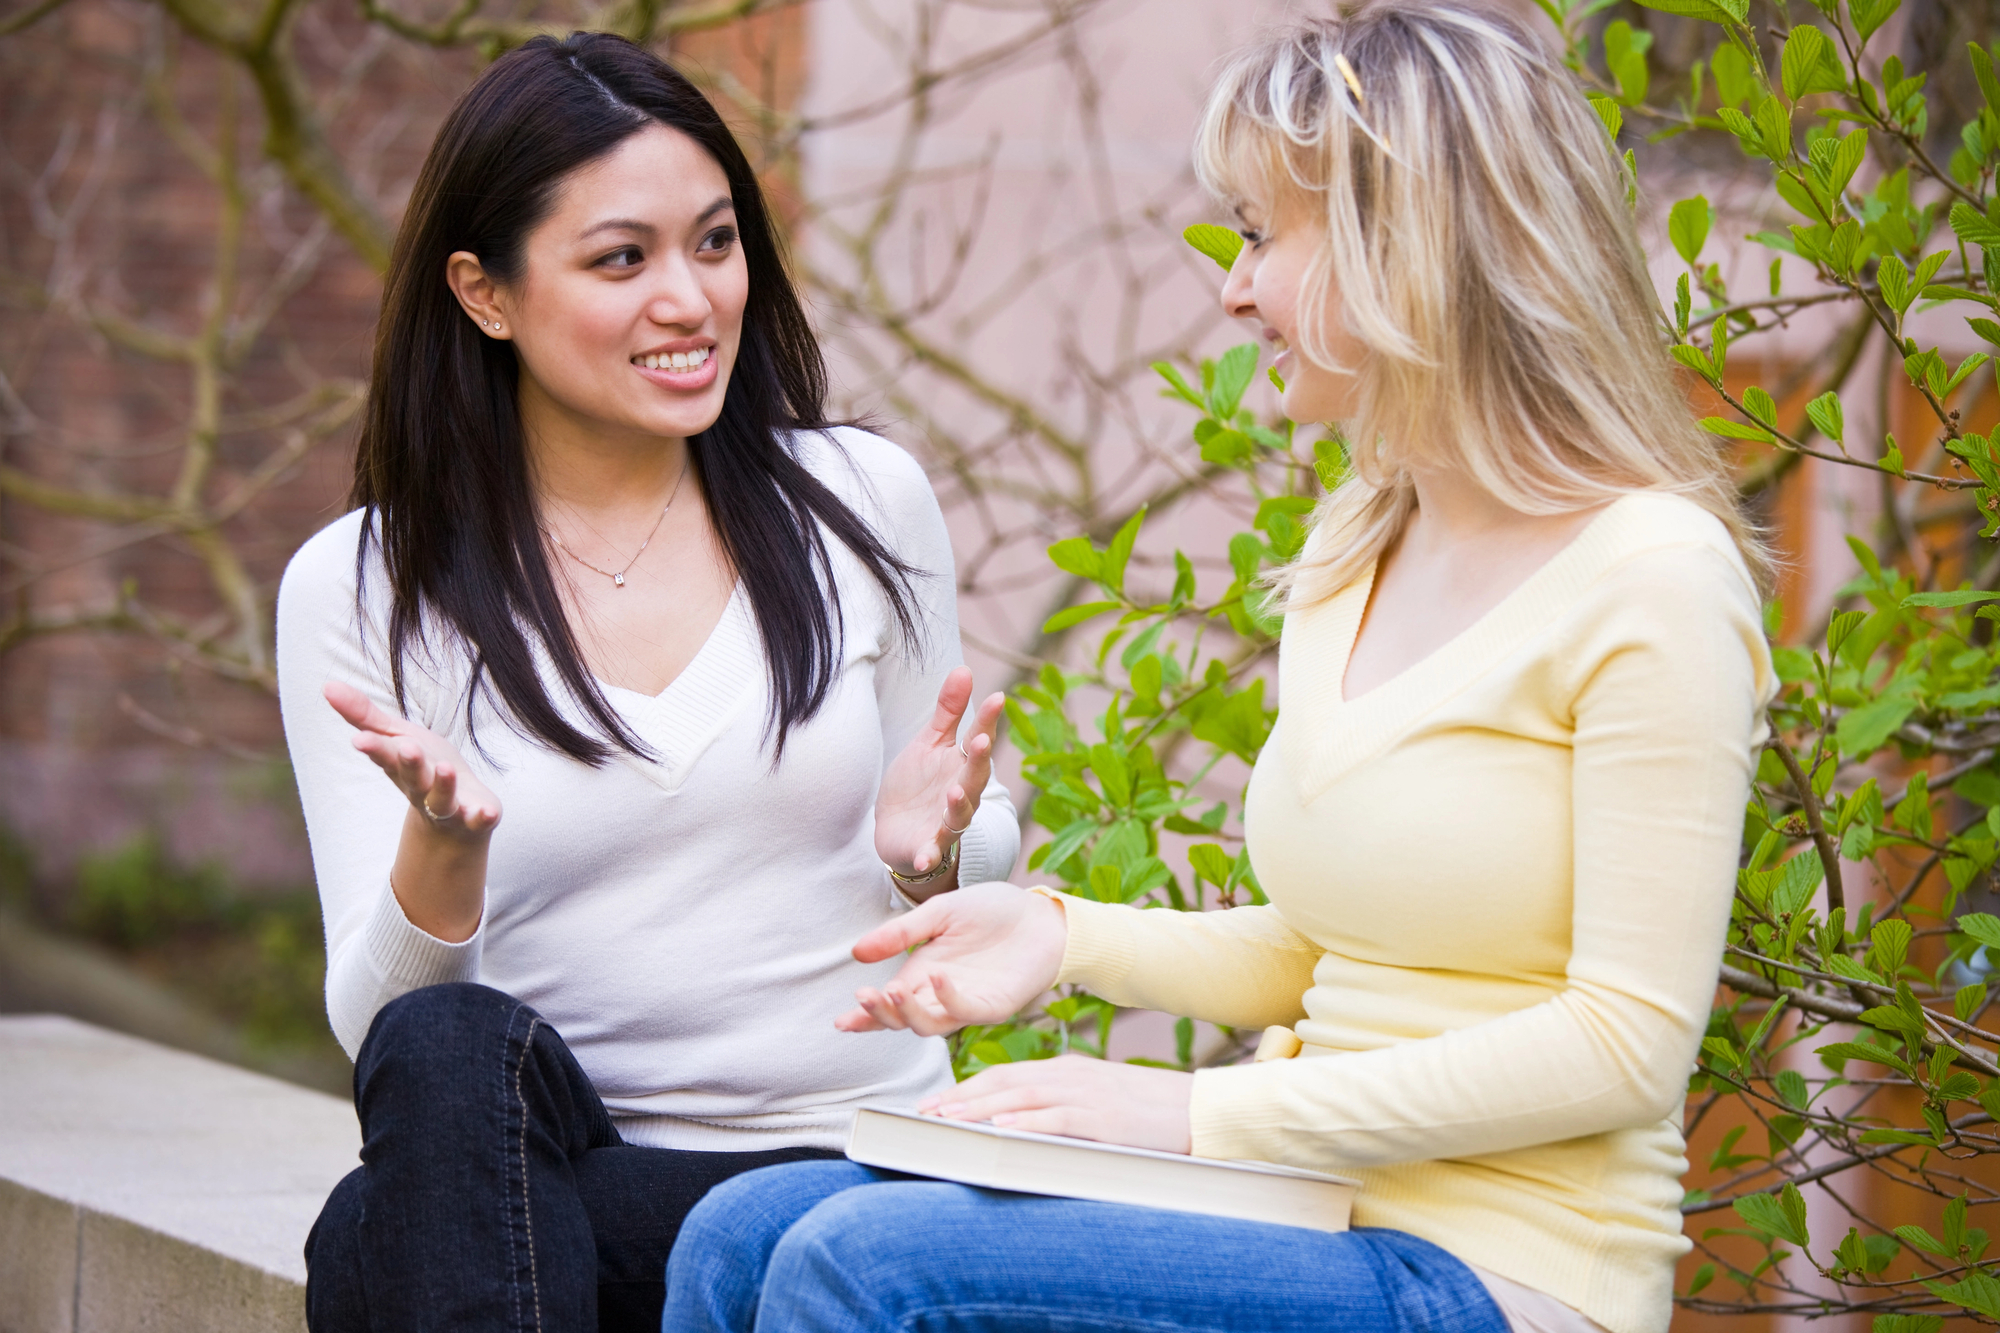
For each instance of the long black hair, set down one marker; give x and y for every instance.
(442, 462)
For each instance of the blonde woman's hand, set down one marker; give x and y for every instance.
(1134, 1105)
(931, 790)
(986, 951)
(425, 767)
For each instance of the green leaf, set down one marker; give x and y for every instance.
(1068, 840)
(1075, 555)
(1890, 943)
(1973, 227)
(1232, 376)
(1694, 359)
(1687, 226)
(1981, 926)
(1919, 1239)
(1810, 64)
(1968, 1001)
(1863, 730)
(1210, 862)
(1869, 15)
(1856, 1050)
(1979, 1292)
(1610, 113)
(1986, 329)
(1076, 615)
(1847, 160)
(1783, 1214)
(1757, 402)
(1625, 57)
(1982, 69)
(1735, 430)
(1237, 724)
(1713, 11)
(1218, 243)
(1826, 414)
(1223, 444)
(1963, 597)
(1178, 386)
(1112, 574)
(1734, 81)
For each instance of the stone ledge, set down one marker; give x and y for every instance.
(145, 1189)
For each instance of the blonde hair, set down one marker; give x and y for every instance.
(1475, 214)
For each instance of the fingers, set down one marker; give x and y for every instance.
(856, 1020)
(440, 798)
(361, 711)
(953, 695)
(903, 933)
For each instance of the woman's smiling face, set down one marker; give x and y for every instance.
(1265, 285)
(629, 312)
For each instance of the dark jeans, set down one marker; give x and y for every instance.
(494, 1192)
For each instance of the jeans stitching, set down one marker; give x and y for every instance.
(909, 1322)
(527, 1211)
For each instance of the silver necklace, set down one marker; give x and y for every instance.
(618, 577)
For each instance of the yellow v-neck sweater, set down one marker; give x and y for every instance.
(1499, 885)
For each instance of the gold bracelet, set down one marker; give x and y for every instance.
(938, 871)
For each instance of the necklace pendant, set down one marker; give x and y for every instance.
(618, 579)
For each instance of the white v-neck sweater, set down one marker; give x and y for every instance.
(684, 924)
(1499, 887)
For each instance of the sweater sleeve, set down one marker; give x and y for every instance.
(1242, 968)
(1664, 674)
(909, 674)
(354, 815)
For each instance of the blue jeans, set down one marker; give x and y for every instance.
(832, 1247)
(493, 1191)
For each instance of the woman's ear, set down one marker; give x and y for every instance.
(477, 295)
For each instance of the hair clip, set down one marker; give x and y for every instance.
(1354, 87)
(1347, 72)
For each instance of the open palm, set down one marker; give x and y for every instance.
(931, 790)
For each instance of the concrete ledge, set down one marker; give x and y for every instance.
(144, 1190)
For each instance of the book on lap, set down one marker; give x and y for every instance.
(991, 1157)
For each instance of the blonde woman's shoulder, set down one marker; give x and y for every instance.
(1661, 530)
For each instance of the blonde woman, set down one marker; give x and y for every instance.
(1498, 821)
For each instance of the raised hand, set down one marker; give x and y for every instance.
(425, 767)
(439, 875)
(986, 951)
(1080, 1097)
(931, 789)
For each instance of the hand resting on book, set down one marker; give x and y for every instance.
(1082, 1098)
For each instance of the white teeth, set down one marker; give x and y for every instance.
(673, 360)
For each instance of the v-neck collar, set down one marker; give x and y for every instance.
(1324, 736)
(683, 720)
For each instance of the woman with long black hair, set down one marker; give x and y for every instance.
(610, 559)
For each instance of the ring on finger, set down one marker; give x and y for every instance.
(433, 815)
(956, 831)
(961, 751)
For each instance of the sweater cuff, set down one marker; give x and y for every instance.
(1237, 1111)
(1100, 949)
(409, 958)
(975, 853)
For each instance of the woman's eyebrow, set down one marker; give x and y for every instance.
(725, 202)
(620, 224)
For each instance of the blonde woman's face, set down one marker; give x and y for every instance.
(1265, 285)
